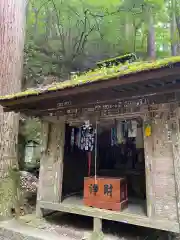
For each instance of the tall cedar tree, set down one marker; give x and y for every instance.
(12, 22)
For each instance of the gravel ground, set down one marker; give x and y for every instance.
(13, 230)
(79, 227)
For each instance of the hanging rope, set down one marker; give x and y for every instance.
(89, 163)
(95, 165)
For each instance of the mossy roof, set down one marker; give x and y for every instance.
(117, 58)
(99, 74)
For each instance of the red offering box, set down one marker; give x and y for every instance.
(106, 193)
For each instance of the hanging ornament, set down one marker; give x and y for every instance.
(72, 137)
(87, 141)
(148, 130)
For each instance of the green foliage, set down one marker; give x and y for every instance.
(69, 36)
(30, 129)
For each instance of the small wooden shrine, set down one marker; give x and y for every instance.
(132, 172)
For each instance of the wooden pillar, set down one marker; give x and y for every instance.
(176, 155)
(44, 143)
(148, 151)
(160, 177)
(51, 164)
(39, 211)
(60, 159)
(97, 229)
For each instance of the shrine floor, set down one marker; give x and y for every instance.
(135, 213)
(135, 206)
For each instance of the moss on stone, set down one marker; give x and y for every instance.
(99, 74)
(9, 193)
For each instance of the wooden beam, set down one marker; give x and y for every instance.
(97, 229)
(123, 217)
(160, 94)
(83, 100)
(93, 86)
(86, 98)
(53, 119)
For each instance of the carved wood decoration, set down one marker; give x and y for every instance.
(84, 102)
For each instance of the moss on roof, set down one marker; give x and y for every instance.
(117, 58)
(99, 74)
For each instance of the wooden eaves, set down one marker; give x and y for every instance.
(115, 82)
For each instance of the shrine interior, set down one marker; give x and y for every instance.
(118, 151)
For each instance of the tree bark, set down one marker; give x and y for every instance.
(177, 14)
(178, 24)
(12, 21)
(129, 34)
(151, 47)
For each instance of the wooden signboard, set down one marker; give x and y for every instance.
(113, 107)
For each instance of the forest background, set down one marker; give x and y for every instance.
(63, 37)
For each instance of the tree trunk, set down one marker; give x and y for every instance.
(173, 29)
(12, 21)
(129, 34)
(27, 9)
(151, 47)
(177, 14)
(178, 24)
